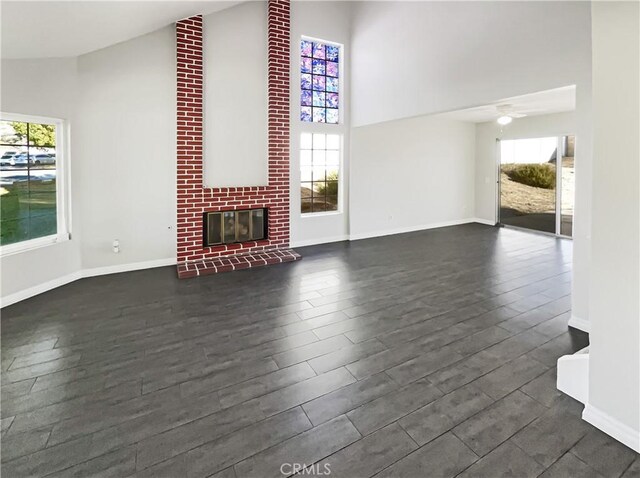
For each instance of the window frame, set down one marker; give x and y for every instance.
(63, 219)
(340, 135)
(340, 76)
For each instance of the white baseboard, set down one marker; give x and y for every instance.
(484, 221)
(314, 242)
(39, 289)
(580, 324)
(612, 427)
(64, 280)
(403, 230)
(134, 266)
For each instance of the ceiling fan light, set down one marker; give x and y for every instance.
(505, 120)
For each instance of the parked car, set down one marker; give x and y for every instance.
(6, 157)
(43, 159)
(21, 159)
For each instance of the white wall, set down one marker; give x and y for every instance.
(614, 354)
(415, 58)
(40, 88)
(418, 58)
(125, 151)
(235, 96)
(486, 152)
(411, 174)
(329, 21)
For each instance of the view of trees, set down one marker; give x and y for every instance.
(42, 135)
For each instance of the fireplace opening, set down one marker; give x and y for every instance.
(230, 227)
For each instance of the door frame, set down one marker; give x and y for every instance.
(558, 208)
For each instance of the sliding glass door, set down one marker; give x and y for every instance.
(536, 185)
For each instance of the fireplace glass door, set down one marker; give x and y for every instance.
(231, 227)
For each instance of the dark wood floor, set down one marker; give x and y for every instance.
(421, 355)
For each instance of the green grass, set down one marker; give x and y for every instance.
(27, 211)
(535, 175)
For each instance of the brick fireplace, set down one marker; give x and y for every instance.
(194, 200)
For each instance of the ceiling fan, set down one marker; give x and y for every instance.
(506, 114)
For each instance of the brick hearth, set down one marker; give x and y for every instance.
(236, 262)
(193, 198)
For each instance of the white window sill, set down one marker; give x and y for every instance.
(32, 244)
(320, 214)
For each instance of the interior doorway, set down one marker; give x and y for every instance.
(536, 184)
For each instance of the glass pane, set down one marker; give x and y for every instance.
(318, 98)
(214, 228)
(332, 53)
(13, 132)
(306, 48)
(306, 204)
(319, 157)
(568, 185)
(229, 224)
(331, 187)
(332, 203)
(333, 141)
(305, 113)
(305, 174)
(306, 192)
(42, 135)
(332, 84)
(319, 141)
(305, 81)
(319, 67)
(332, 116)
(305, 65)
(305, 98)
(14, 230)
(305, 158)
(332, 100)
(319, 193)
(333, 158)
(319, 174)
(305, 141)
(244, 226)
(318, 50)
(42, 158)
(14, 157)
(332, 68)
(319, 188)
(319, 115)
(319, 82)
(528, 183)
(15, 203)
(257, 224)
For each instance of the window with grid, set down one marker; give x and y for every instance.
(319, 172)
(319, 82)
(29, 164)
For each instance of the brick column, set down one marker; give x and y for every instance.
(189, 134)
(193, 198)
(279, 117)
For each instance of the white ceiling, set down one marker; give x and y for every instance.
(544, 102)
(50, 29)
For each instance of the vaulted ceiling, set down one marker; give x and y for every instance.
(51, 29)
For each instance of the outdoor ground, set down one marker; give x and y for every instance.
(525, 199)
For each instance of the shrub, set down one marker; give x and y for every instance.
(536, 175)
(330, 188)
